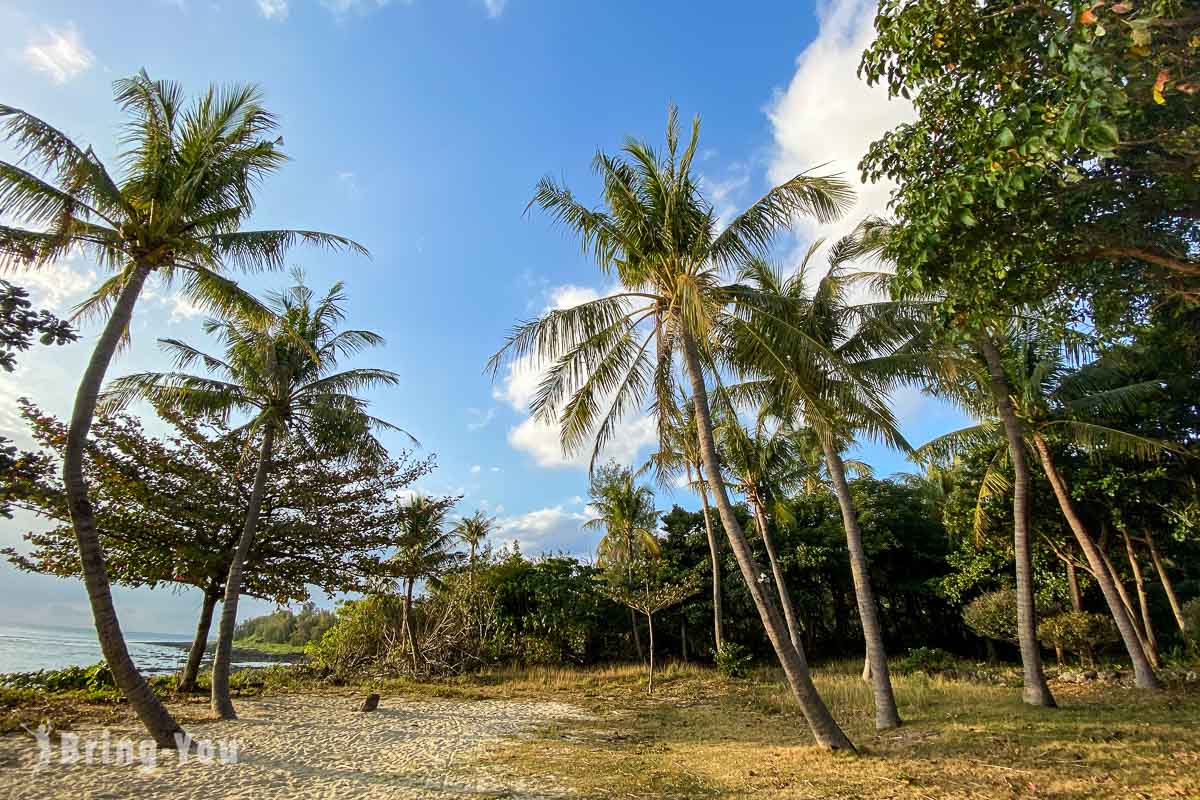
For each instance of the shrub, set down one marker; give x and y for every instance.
(96, 678)
(1191, 620)
(993, 615)
(732, 660)
(1077, 632)
(929, 660)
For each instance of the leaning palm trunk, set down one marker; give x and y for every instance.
(410, 627)
(785, 597)
(1139, 583)
(1143, 673)
(824, 728)
(222, 704)
(158, 721)
(886, 713)
(1126, 600)
(187, 681)
(1165, 580)
(1036, 691)
(714, 553)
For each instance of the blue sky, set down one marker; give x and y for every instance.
(419, 128)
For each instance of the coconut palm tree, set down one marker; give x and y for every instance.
(679, 456)
(1052, 400)
(609, 357)
(472, 530)
(816, 360)
(176, 209)
(282, 375)
(424, 550)
(626, 514)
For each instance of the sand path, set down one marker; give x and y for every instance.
(309, 748)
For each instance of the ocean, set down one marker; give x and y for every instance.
(25, 648)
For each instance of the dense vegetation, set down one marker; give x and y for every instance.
(1038, 271)
(286, 627)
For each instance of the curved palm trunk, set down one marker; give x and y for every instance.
(187, 681)
(785, 597)
(714, 554)
(1036, 690)
(886, 713)
(824, 728)
(1143, 673)
(1139, 582)
(161, 726)
(222, 704)
(1123, 593)
(1165, 580)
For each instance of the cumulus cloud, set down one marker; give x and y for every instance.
(827, 116)
(548, 530)
(495, 7)
(358, 6)
(61, 54)
(541, 439)
(273, 9)
(480, 418)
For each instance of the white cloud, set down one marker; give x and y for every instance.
(480, 418)
(61, 55)
(548, 530)
(495, 469)
(273, 9)
(827, 116)
(476, 469)
(57, 286)
(340, 7)
(495, 7)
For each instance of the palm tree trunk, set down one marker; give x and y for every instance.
(1143, 673)
(1139, 582)
(715, 555)
(650, 624)
(161, 726)
(785, 597)
(409, 628)
(824, 728)
(886, 713)
(1126, 600)
(1073, 586)
(1165, 580)
(187, 681)
(222, 704)
(1036, 691)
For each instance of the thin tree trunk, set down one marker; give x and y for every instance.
(409, 628)
(187, 681)
(222, 703)
(1165, 580)
(161, 726)
(1139, 582)
(785, 597)
(637, 637)
(1073, 586)
(1036, 691)
(824, 728)
(714, 554)
(1126, 600)
(683, 637)
(650, 624)
(886, 713)
(1144, 677)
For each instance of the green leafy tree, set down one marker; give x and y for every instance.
(661, 240)
(189, 173)
(282, 375)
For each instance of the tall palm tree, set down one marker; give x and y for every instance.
(176, 210)
(424, 550)
(678, 456)
(608, 357)
(1053, 400)
(815, 359)
(281, 374)
(625, 512)
(472, 530)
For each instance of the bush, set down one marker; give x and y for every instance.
(993, 615)
(929, 660)
(96, 678)
(1191, 620)
(732, 660)
(1077, 632)
(362, 638)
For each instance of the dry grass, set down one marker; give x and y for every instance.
(703, 736)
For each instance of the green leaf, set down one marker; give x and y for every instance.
(1005, 137)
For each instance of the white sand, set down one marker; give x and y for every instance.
(309, 748)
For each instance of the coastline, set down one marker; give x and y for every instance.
(241, 653)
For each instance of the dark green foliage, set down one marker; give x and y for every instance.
(96, 678)
(287, 627)
(1077, 632)
(929, 660)
(993, 615)
(732, 660)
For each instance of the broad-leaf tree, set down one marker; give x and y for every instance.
(282, 376)
(661, 241)
(188, 173)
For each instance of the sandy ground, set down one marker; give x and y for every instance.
(307, 748)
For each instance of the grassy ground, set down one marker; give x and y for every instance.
(274, 648)
(703, 736)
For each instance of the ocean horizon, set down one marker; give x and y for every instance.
(28, 647)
